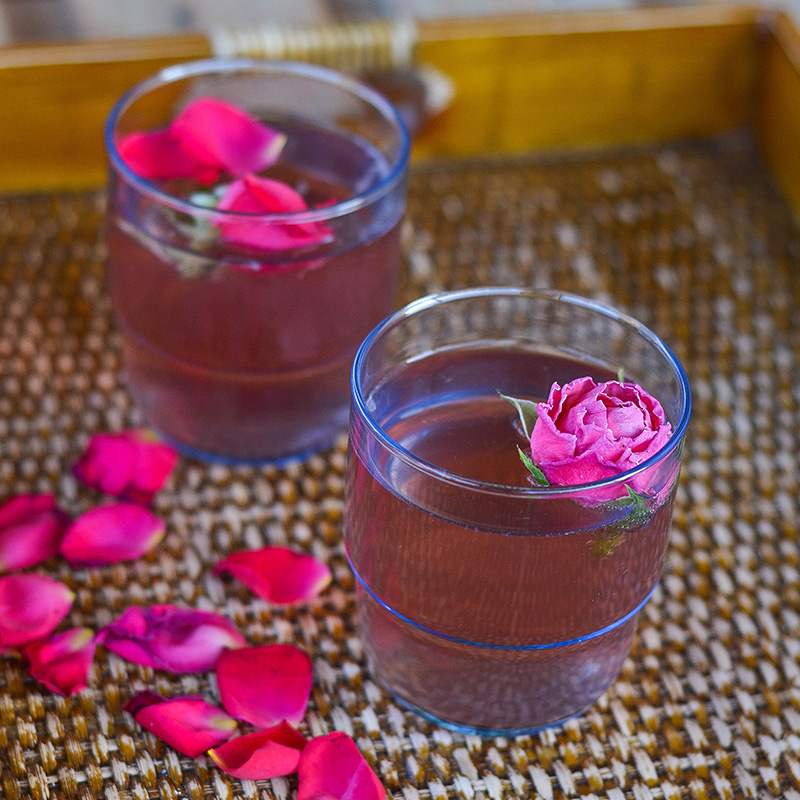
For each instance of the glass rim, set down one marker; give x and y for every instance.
(208, 66)
(504, 489)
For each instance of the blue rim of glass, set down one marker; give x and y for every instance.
(440, 298)
(210, 66)
(585, 637)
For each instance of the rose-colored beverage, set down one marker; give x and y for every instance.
(235, 350)
(485, 602)
(480, 626)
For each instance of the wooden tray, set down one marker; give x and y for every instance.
(538, 82)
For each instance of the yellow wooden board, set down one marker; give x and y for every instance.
(593, 80)
(536, 82)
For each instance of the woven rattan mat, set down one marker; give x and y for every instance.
(693, 240)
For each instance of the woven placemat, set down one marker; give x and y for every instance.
(693, 240)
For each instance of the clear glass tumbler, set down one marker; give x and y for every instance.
(487, 603)
(235, 352)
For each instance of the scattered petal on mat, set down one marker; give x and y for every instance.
(62, 661)
(157, 155)
(132, 465)
(171, 638)
(115, 532)
(31, 606)
(265, 685)
(188, 724)
(261, 755)
(332, 766)
(31, 529)
(254, 195)
(278, 574)
(217, 134)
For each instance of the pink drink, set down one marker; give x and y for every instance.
(242, 353)
(484, 611)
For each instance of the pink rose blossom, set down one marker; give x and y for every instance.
(220, 135)
(265, 685)
(187, 723)
(207, 137)
(157, 155)
(31, 529)
(171, 638)
(132, 465)
(278, 574)
(588, 432)
(111, 533)
(31, 606)
(333, 767)
(254, 195)
(261, 755)
(62, 661)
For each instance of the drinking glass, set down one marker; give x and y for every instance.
(485, 602)
(230, 352)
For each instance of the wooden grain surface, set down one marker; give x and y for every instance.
(778, 113)
(537, 82)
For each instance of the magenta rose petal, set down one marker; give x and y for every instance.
(188, 724)
(254, 195)
(264, 754)
(171, 638)
(157, 155)
(31, 529)
(265, 685)
(333, 766)
(31, 606)
(217, 134)
(62, 661)
(110, 533)
(132, 465)
(278, 574)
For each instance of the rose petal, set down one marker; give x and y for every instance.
(333, 766)
(188, 724)
(261, 755)
(132, 465)
(278, 574)
(62, 662)
(31, 529)
(171, 638)
(265, 685)
(31, 606)
(218, 134)
(254, 195)
(116, 532)
(157, 155)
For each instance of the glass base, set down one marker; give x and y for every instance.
(235, 461)
(471, 730)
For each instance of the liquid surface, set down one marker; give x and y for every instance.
(453, 589)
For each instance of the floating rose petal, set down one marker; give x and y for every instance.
(278, 574)
(62, 661)
(116, 532)
(219, 135)
(254, 195)
(157, 155)
(188, 724)
(31, 606)
(171, 638)
(132, 465)
(332, 766)
(265, 685)
(31, 529)
(261, 755)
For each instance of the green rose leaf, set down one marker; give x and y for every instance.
(538, 475)
(527, 413)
